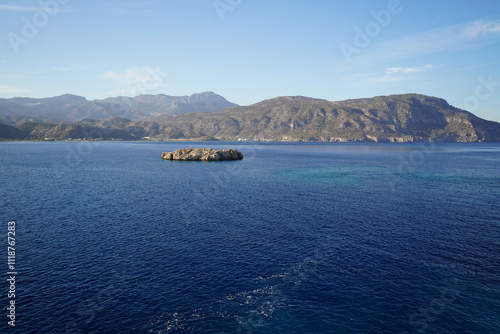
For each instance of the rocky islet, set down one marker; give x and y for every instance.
(203, 154)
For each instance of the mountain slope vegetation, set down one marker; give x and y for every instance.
(394, 118)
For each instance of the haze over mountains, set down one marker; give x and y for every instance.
(75, 108)
(208, 116)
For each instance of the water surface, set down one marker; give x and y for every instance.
(295, 238)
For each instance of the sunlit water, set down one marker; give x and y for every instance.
(295, 238)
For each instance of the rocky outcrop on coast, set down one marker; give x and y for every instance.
(203, 154)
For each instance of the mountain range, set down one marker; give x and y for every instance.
(208, 116)
(73, 108)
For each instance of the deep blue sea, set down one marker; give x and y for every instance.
(294, 238)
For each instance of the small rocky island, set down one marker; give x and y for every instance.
(203, 154)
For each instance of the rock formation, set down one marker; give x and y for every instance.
(203, 154)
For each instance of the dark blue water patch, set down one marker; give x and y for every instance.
(295, 238)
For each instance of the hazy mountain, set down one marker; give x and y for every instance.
(53, 107)
(395, 118)
(74, 108)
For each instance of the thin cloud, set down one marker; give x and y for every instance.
(392, 74)
(451, 38)
(408, 70)
(10, 89)
(136, 80)
(481, 28)
(135, 75)
(12, 8)
(18, 8)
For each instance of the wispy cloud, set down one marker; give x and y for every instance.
(18, 8)
(451, 38)
(136, 80)
(481, 28)
(10, 89)
(392, 74)
(13, 8)
(409, 70)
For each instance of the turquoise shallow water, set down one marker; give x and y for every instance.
(295, 238)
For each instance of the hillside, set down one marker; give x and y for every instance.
(395, 118)
(8, 132)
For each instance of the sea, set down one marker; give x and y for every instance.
(294, 238)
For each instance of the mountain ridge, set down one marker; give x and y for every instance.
(72, 108)
(393, 118)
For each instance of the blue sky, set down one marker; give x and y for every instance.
(251, 50)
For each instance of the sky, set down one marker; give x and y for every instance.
(252, 50)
